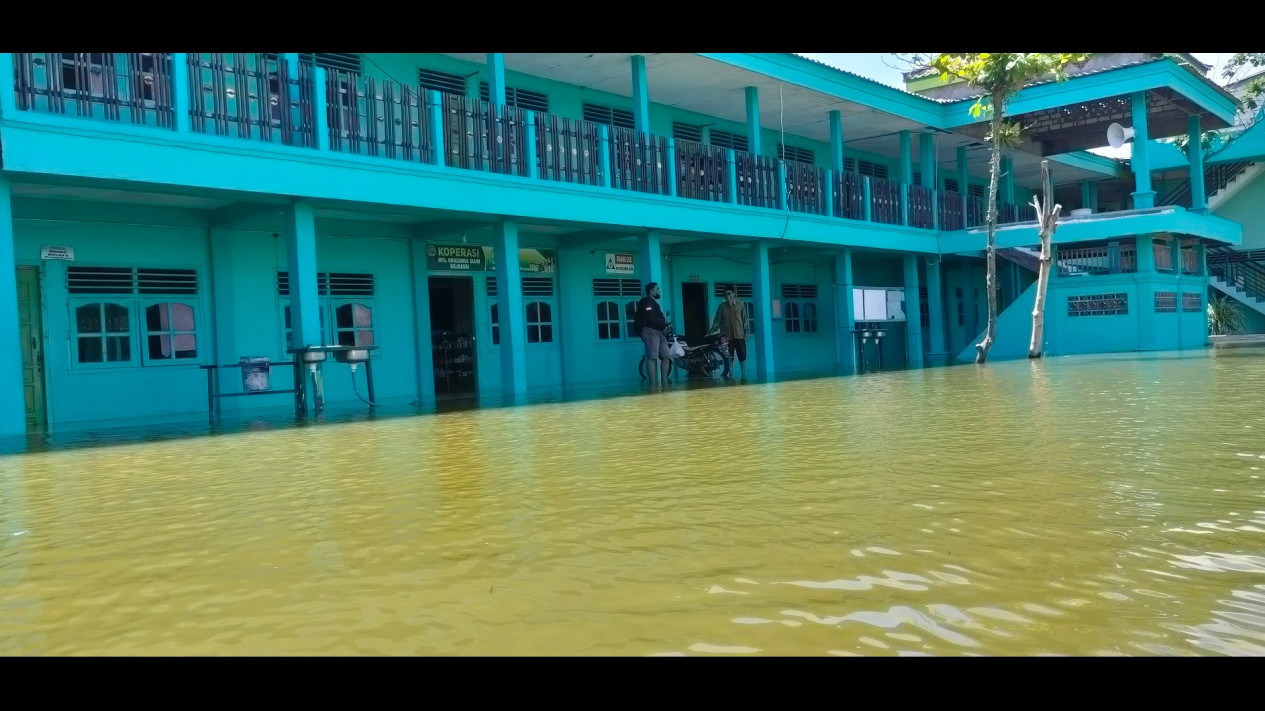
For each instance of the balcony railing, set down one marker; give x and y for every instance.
(885, 204)
(701, 172)
(273, 98)
(131, 87)
(805, 188)
(639, 161)
(381, 119)
(251, 95)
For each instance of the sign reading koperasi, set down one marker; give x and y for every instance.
(454, 257)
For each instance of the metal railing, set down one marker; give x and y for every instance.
(885, 204)
(377, 118)
(1238, 269)
(1110, 258)
(1190, 261)
(951, 206)
(805, 187)
(251, 95)
(568, 150)
(976, 211)
(639, 161)
(921, 207)
(701, 172)
(129, 87)
(481, 136)
(1163, 254)
(1216, 177)
(849, 195)
(758, 181)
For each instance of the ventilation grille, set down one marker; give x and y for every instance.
(125, 280)
(338, 61)
(687, 132)
(725, 139)
(491, 286)
(975, 190)
(443, 82)
(616, 287)
(799, 291)
(617, 118)
(742, 290)
(799, 155)
(951, 185)
(332, 284)
(537, 286)
(522, 98)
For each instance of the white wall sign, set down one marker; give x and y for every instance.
(620, 264)
(67, 253)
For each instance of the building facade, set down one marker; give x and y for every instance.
(484, 222)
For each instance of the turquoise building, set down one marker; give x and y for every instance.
(485, 221)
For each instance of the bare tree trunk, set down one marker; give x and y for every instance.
(990, 283)
(1047, 222)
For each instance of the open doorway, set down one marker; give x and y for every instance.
(694, 310)
(452, 334)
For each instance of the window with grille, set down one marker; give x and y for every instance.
(687, 132)
(116, 308)
(742, 291)
(924, 310)
(725, 139)
(951, 185)
(443, 82)
(615, 301)
(539, 293)
(522, 98)
(975, 190)
(539, 322)
(344, 299)
(338, 61)
(799, 308)
(795, 153)
(617, 118)
(865, 167)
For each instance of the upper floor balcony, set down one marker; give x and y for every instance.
(302, 111)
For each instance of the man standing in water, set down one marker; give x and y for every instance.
(651, 322)
(731, 322)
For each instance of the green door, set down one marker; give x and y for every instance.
(31, 333)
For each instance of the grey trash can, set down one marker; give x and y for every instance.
(254, 373)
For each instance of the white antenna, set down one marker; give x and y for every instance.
(1118, 135)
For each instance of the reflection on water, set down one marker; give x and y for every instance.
(1089, 506)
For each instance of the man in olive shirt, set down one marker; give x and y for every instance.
(731, 322)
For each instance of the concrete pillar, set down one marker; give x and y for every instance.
(496, 84)
(180, 94)
(836, 142)
(305, 316)
(1195, 149)
(320, 118)
(913, 313)
(1085, 197)
(906, 158)
(511, 316)
(753, 120)
(12, 396)
(963, 175)
(1143, 195)
(437, 149)
(8, 99)
(927, 160)
(845, 321)
(226, 311)
(936, 352)
(650, 260)
(762, 295)
(971, 324)
(421, 320)
(640, 94)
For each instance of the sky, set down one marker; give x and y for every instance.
(886, 69)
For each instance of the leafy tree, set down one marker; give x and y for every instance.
(999, 76)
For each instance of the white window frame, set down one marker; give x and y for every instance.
(552, 323)
(143, 326)
(335, 302)
(126, 301)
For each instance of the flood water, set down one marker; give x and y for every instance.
(1084, 506)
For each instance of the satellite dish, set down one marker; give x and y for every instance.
(1118, 135)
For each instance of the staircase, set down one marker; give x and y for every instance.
(1239, 274)
(1029, 259)
(1217, 179)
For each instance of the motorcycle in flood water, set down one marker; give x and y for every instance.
(701, 358)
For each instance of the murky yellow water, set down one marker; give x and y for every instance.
(1074, 506)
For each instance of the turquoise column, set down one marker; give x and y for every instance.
(421, 319)
(845, 316)
(731, 175)
(836, 141)
(1194, 148)
(761, 296)
(936, 353)
(305, 317)
(963, 175)
(927, 160)
(1143, 195)
(8, 99)
(913, 313)
(1007, 185)
(650, 260)
(906, 174)
(320, 116)
(180, 94)
(971, 323)
(1146, 293)
(436, 108)
(12, 394)
(753, 120)
(1093, 196)
(1085, 197)
(496, 81)
(529, 129)
(641, 95)
(509, 299)
(604, 153)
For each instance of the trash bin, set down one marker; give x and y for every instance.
(254, 373)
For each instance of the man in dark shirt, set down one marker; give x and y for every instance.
(651, 321)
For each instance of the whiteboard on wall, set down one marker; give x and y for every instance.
(878, 304)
